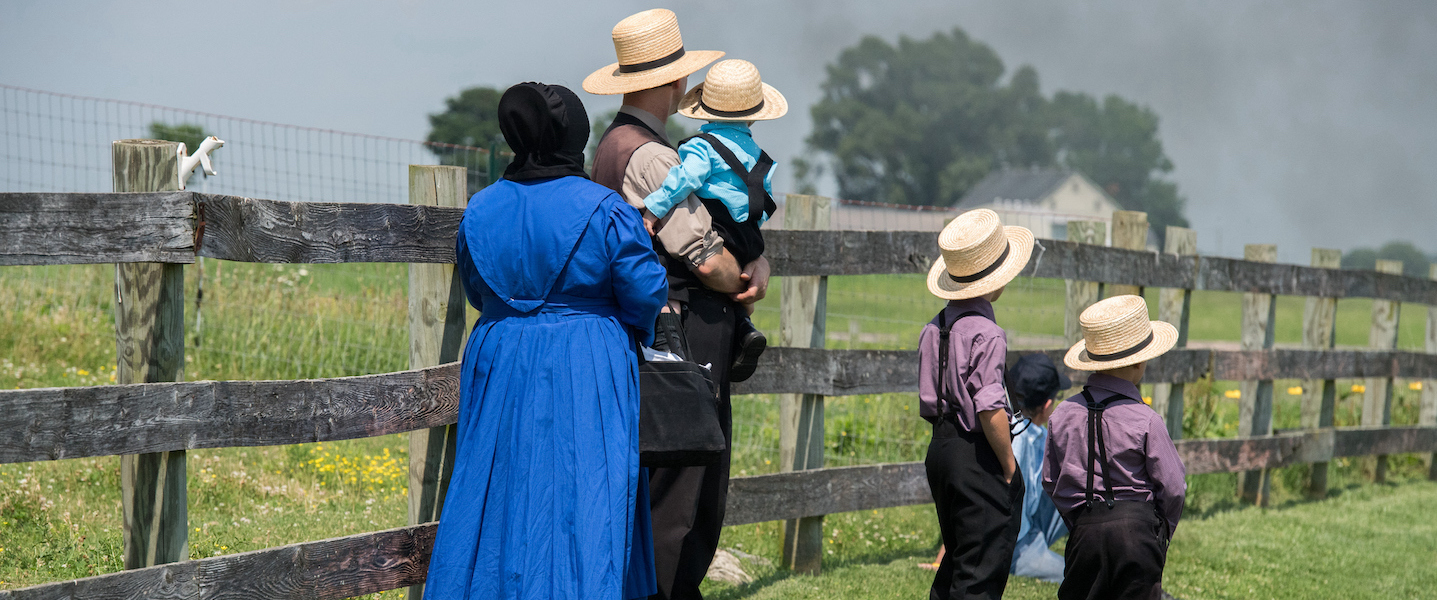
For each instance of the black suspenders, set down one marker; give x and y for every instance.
(1097, 448)
(759, 201)
(944, 328)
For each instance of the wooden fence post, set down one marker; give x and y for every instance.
(1319, 396)
(1377, 400)
(803, 309)
(1428, 413)
(436, 336)
(1082, 294)
(1130, 231)
(1255, 405)
(1173, 306)
(149, 348)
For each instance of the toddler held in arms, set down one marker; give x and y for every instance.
(729, 173)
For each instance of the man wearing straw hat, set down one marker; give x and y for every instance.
(707, 284)
(977, 489)
(1111, 468)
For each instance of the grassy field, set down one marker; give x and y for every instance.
(61, 520)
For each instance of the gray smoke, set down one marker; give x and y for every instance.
(1298, 123)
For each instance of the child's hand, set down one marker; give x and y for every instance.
(649, 221)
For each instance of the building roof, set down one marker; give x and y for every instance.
(1022, 185)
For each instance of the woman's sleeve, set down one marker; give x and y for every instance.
(683, 179)
(468, 275)
(640, 284)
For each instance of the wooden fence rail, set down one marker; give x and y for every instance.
(175, 227)
(74, 422)
(384, 560)
(73, 228)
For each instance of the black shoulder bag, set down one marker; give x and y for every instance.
(678, 405)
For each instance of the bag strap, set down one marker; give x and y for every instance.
(759, 200)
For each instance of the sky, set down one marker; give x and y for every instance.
(1300, 123)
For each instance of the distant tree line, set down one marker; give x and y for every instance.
(1414, 262)
(922, 121)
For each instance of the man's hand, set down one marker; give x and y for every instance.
(650, 221)
(755, 279)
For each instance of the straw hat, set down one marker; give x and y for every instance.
(1117, 333)
(651, 54)
(980, 255)
(733, 91)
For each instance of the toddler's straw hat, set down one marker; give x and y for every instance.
(733, 91)
(980, 255)
(651, 53)
(1117, 333)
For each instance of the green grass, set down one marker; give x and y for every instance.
(1363, 541)
(61, 519)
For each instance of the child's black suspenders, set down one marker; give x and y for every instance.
(759, 200)
(1097, 448)
(944, 328)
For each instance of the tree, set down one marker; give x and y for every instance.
(469, 119)
(922, 121)
(1116, 145)
(1414, 262)
(188, 133)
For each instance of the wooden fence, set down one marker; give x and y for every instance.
(153, 420)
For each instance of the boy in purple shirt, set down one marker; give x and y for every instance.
(971, 471)
(1111, 468)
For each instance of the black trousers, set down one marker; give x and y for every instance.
(688, 502)
(978, 514)
(1115, 553)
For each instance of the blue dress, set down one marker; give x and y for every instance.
(547, 498)
(1042, 525)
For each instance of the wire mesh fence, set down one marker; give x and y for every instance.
(53, 142)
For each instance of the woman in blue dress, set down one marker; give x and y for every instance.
(547, 498)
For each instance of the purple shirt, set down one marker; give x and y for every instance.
(977, 347)
(1142, 459)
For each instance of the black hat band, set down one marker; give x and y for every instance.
(1123, 353)
(732, 113)
(985, 272)
(653, 64)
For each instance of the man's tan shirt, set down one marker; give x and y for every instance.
(687, 231)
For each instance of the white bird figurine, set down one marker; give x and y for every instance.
(200, 157)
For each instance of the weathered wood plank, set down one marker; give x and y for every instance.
(384, 560)
(57, 423)
(54, 229)
(803, 312)
(1319, 396)
(825, 491)
(1130, 231)
(270, 231)
(1377, 401)
(256, 230)
(1173, 307)
(150, 348)
(328, 569)
(882, 252)
(1259, 313)
(1427, 412)
(436, 336)
(1080, 294)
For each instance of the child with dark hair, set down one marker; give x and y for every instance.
(1034, 383)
